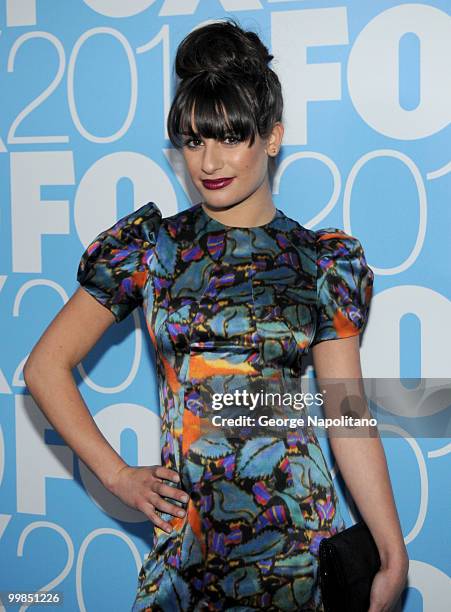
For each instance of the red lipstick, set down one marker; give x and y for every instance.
(217, 183)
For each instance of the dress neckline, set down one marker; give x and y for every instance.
(213, 221)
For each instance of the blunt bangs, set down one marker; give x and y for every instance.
(222, 107)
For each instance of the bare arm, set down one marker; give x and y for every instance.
(361, 459)
(48, 375)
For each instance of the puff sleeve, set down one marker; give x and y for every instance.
(114, 267)
(344, 285)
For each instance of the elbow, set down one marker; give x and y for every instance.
(31, 368)
(39, 368)
(27, 372)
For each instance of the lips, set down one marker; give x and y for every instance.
(217, 183)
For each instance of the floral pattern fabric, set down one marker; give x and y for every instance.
(231, 303)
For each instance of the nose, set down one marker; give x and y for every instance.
(212, 156)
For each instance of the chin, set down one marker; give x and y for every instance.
(224, 198)
(219, 199)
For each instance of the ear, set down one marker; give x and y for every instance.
(274, 140)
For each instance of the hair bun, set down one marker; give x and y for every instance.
(225, 86)
(222, 49)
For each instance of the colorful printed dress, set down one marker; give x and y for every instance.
(224, 301)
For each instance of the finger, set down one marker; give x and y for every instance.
(167, 474)
(167, 491)
(156, 520)
(165, 506)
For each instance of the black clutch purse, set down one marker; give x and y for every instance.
(348, 562)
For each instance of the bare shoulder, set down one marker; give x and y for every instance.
(71, 334)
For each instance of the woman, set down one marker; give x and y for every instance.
(233, 290)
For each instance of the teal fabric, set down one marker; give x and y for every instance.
(233, 304)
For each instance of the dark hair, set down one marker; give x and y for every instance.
(225, 77)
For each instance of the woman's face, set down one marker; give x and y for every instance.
(208, 159)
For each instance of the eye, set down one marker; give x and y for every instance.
(188, 142)
(233, 138)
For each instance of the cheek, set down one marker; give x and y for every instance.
(252, 163)
(190, 163)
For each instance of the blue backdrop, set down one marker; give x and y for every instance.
(86, 86)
